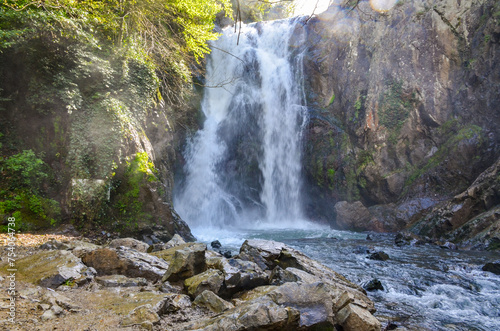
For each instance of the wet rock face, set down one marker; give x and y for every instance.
(403, 106)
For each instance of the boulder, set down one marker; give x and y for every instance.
(51, 268)
(125, 261)
(355, 318)
(211, 280)
(168, 253)
(263, 252)
(120, 281)
(175, 241)
(211, 301)
(242, 275)
(215, 244)
(254, 315)
(130, 243)
(280, 276)
(308, 270)
(379, 256)
(493, 267)
(355, 216)
(373, 285)
(186, 263)
(171, 303)
(142, 315)
(313, 301)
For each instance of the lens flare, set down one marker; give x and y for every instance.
(382, 5)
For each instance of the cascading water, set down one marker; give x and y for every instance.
(244, 166)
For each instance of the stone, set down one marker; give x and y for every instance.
(263, 252)
(373, 285)
(125, 261)
(313, 301)
(50, 268)
(211, 301)
(493, 267)
(253, 315)
(449, 245)
(140, 315)
(175, 241)
(355, 318)
(53, 244)
(56, 299)
(48, 315)
(308, 270)
(130, 243)
(379, 256)
(242, 275)
(120, 281)
(186, 263)
(355, 216)
(171, 303)
(168, 254)
(215, 244)
(226, 254)
(280, 276)
(211, 280)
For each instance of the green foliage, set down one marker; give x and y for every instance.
(21, 193)
(128, 203)
(332, 99)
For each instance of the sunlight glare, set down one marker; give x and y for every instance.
(306, 7)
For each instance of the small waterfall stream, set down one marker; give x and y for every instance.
(244, 166)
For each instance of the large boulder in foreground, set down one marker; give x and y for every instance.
(125, 261)
(211, 280)
(51, 268)
(186, 262)
(272, 254)
(241, 275)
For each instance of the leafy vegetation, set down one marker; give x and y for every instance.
(21, 195)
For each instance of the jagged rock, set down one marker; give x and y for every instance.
(186, 262)
(212, 302)
(355, 318)
(242, 275)
(127, 262)
(449, 245)
(141, 315)
(313, 301)
(226, 254)
(80, 248)
(175, 241)
(373, 285)
(493, 267)
(172, 303)
(57, 299)
(211, 280)
(130, 243)
(260, 315)
(280, 276)
(262, 252)
(379, 256)
(355, 216)
(53, 244)
(51, 268)
(168, 254)
(274, 253)
(215, 244)
(120, 281)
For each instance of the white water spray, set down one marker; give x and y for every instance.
(255, 111)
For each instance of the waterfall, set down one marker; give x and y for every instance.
(244, 166)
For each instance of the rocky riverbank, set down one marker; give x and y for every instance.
(74, 283)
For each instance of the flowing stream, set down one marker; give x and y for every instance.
(242, 180)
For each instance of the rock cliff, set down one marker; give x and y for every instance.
(404, 109)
